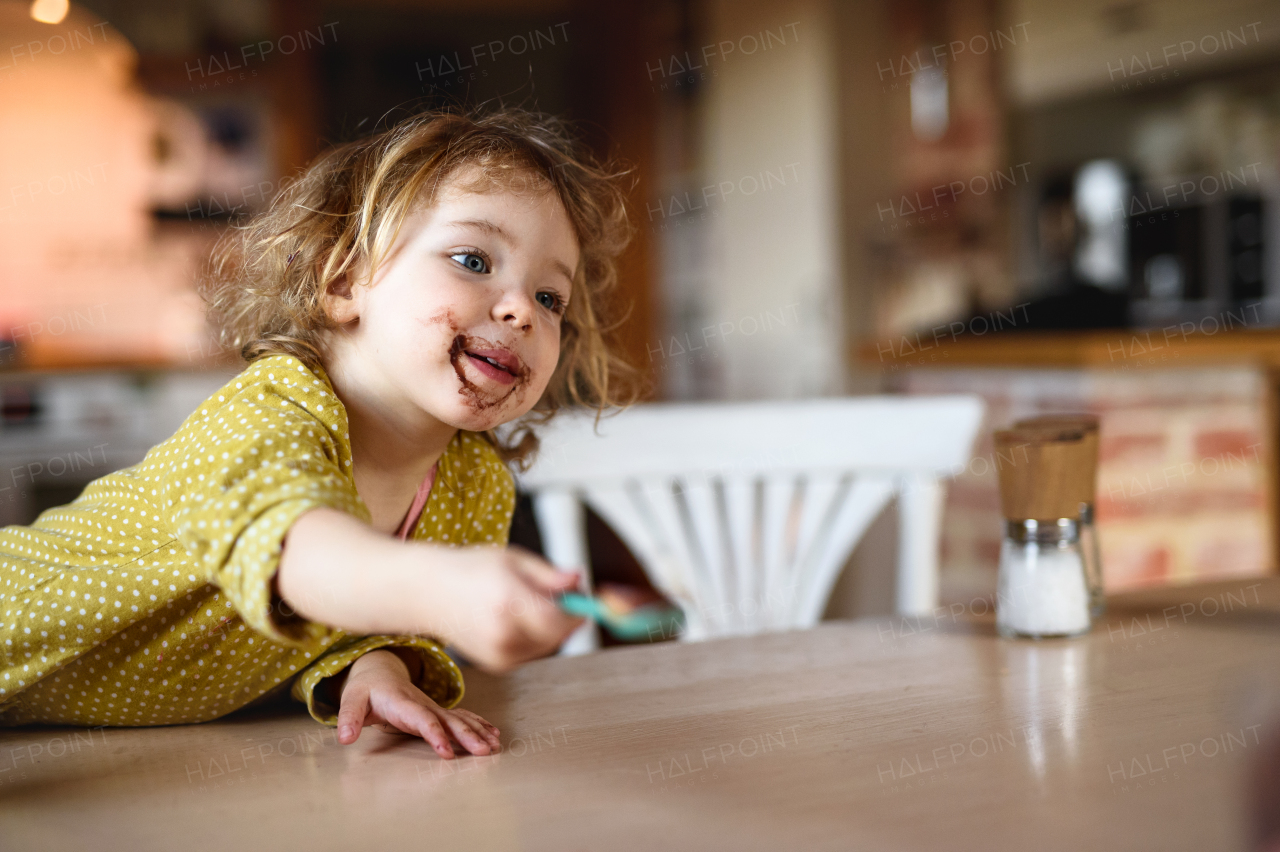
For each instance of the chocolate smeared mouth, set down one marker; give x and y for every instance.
(494, 358)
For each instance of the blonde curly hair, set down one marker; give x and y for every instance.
(264, 284)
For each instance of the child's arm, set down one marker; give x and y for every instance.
(492, 604)
(260, 460)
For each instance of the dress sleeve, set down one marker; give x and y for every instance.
(441, 679)
(249, 468)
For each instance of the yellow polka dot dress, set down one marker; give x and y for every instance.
(149, 600)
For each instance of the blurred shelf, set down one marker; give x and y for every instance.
(48, 360)
(1106, 349)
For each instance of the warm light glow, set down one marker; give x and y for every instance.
(50, 11)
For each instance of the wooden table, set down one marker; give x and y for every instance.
(1149, 733)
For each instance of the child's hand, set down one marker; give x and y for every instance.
(379, 692)
(504, 613)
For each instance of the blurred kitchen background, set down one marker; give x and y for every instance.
(1060, 206)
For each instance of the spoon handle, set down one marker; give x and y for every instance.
(584, 606)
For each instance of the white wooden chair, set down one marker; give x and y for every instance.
(745, 513)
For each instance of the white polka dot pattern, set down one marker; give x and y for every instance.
(148, 600)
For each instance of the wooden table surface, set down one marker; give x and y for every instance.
(1156, 731)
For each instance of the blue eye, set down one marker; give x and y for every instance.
(471, 261)
(550, 301)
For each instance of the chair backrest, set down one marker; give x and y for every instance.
(744, 513)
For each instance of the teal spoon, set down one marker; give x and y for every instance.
(642, 623)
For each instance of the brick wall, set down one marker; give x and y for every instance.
(1182, 486)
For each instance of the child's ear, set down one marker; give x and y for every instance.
(339, 301)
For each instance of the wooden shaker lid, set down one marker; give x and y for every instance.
(1045, 474)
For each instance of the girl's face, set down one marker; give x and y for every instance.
(463, 317)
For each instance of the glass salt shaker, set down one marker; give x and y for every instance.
(1091, 553)
(1042, 590)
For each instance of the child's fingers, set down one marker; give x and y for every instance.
(491, 733)
(563, 580)
(546, 625)
(422, 721)
(352, 713)
(482, 720)
(478, 725)
(542, 574)
(466, 733)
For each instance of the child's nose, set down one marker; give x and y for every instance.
(517, 310)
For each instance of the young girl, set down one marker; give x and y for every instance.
(336, 513)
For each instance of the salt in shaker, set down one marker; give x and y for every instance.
(1043, 589)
